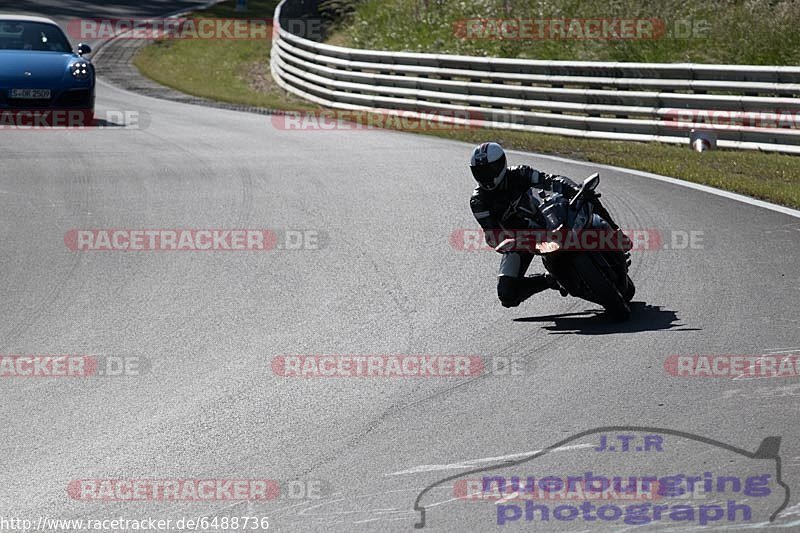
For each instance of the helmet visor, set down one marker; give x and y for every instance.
(486, 174)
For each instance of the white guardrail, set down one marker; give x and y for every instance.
(754, 106)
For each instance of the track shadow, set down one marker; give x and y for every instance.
(644, 317)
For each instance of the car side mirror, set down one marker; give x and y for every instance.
(84, 49)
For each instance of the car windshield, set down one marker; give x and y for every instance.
(36, 36)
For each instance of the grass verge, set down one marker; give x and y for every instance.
(233, 71)
(238, 72)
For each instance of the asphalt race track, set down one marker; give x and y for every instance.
(383, 279)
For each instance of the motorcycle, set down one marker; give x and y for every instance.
(595, 273)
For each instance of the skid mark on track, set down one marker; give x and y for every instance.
(246, 207)
(79, 194)
(762, 393)
(472, 463)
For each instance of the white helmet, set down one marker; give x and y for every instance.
(488, 165)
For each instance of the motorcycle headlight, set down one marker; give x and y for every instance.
(80, 70)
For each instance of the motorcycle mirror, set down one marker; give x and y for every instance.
(592, 181)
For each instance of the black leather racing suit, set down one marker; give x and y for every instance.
(493, 211)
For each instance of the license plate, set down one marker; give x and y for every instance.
(33, 94)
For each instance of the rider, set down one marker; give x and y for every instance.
(491, 203)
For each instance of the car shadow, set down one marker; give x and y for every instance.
(644, 317)
(18, 119)
(103, 123)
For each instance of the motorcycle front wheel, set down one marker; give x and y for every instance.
(601, 287)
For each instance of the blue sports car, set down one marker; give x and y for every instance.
(39, 71)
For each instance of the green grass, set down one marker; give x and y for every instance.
(225, 71)
(234, 71)
(759, 32)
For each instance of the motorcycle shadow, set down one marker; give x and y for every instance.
(644, 317)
